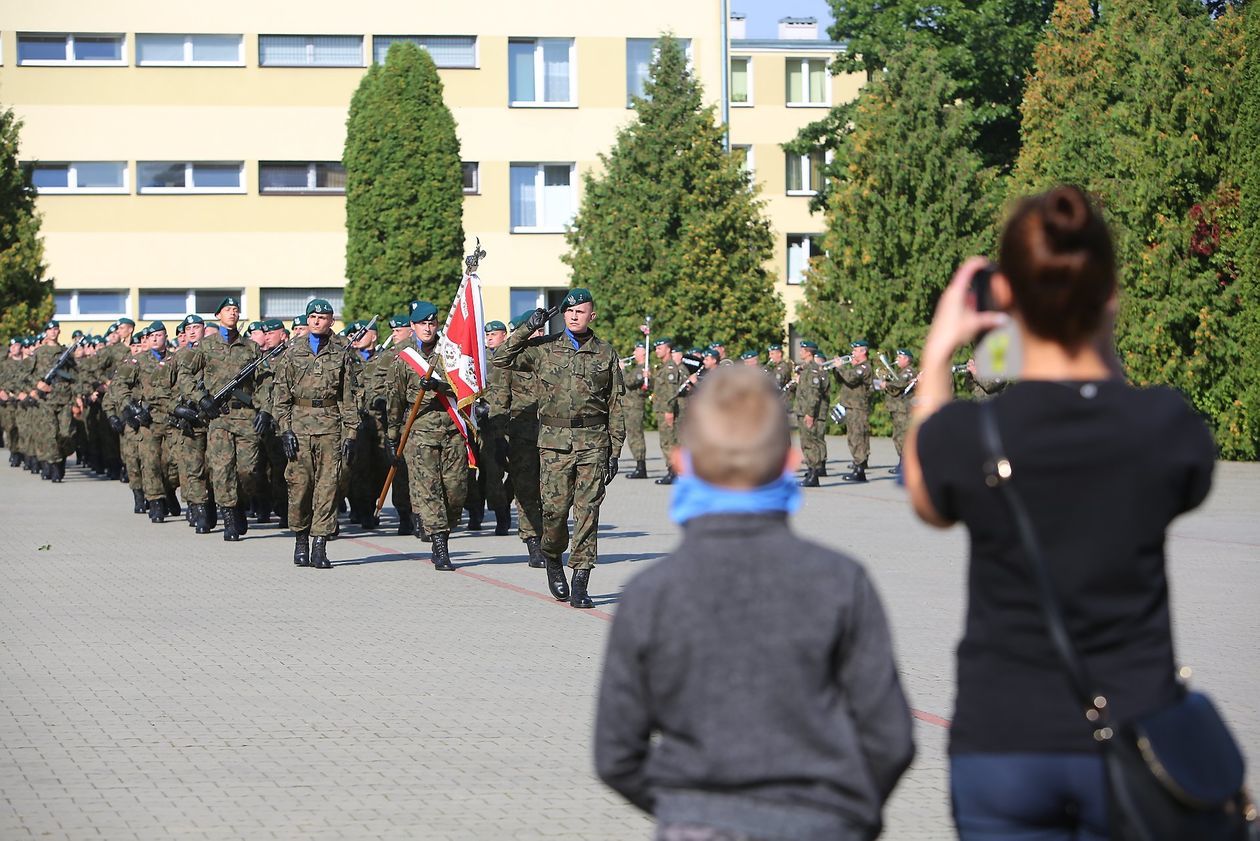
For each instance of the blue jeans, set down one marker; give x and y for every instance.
(1029, 796)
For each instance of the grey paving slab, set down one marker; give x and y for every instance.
(156, 684)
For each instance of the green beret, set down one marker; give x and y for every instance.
(638, 345)
(77, 334)
(253, 325)
(137, 336)
(422, 311)
(192, 319)
(111, 330)
(15, 340)
(716, 345)
(521, 319)
(179, 328)
(663, 340)
(492, 326)
(809, 345)
(51, 324)
(695, 351)
(575, 298)
(775, 346)
(271, 325)
(711, 352)
(155, 327)
(396, 321)
(120, 322)
(229, 301)
(748, 354)
(903, 352)
(299, 321)
(319, 307)
(861, 343)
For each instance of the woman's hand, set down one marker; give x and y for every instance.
(956, 321)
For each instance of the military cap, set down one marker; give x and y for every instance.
(271, 325)
(860, 343)
(396, 321)
(16, 340)
(319, 307)
(120, 322)
(520, 319)
(711, 352)
(492, 326)
(575, 298)
(155, 327)
(77, 334)
(229, 301)
(137, 336)
(695, 351)
(663, 340)
(192, 319)
(179, 328)
(809, 345)
(903, 352)
(638, 345)
(51, 324)
(716, 345)
(299, 320)
(142, 332)
(748, 354)
(111, 329)
(253, 325)
(422, 311)
(775, 346)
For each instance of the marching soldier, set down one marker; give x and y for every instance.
(524, 462)
(497, 400)
(665, 384)
(855, 379)
(581, 429)
(51, 416)
(898, 401)
(377, 379)
(154, 392)
(315, 412)
(810, 407)
(117, 348)
(271, 486)
(357, 486)
(188, 441)
(636, 379)
(9, 374)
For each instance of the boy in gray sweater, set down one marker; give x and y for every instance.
(749, 690)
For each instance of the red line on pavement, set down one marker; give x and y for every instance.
(926, 717)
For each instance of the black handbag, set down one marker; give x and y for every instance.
(1173, 775)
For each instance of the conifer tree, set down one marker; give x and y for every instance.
(404, 188)
(26, 298)
(672, 227)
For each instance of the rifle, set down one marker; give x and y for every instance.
(360, 333)
(232, 387)
(56, 370)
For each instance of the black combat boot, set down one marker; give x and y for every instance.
(32, 464)
(502, 520)
(556, 582)
(667, 479)
(231, 530)
(640, 470)
(821, 472)
(417, 525)
(242, 523)
(157, 511)
(369, 521)
(201, 517)
(578, 598)
(59, 470)
(262, 509)
(858, 474)
(15, 459)
(210, 515)
(405, 524)
(441, 552)
(896, 468)
(319, 553)
(172, 504)
(810, 480)
(302, 549)
(537, 559)
(45, 470)
(138, 497)
(474, 518)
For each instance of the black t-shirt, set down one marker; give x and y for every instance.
(1103, 468)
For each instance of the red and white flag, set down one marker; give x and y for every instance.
(416, 362)
(462, 344)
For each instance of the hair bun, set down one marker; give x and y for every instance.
(1065, 214)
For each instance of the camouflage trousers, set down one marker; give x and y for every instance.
(54, 436)
(272, 465)
(524, 471)
(858, 424)
(438, 475)
(493, 481)
(314, 477)
(130, 446)
(233, 457)
(669, 436)
(633, 410)
(8, 420)
(157, 460)
(572, 480)
(367, 471)
(900, 423)
(813, 442)
(189, 450)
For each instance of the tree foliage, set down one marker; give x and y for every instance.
(1244, 249)
(672, 227)
(26, 297)
(404, 188)
(911, 200)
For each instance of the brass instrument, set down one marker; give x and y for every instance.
(883, 359)
(953, 369)
(839, 360)
(958, 369)
(626, 360)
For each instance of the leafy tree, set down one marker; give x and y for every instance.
(911, 200)
(26, 298)
(404, 188)
(672, 226)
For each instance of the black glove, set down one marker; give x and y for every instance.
(143, 415)
(538, 319)
(116, 424)
(501, 451)
(289, 443)
(391, 453)
(264, 423)
(207, 407)
(378, 404)
(611, 470)
(347, 449)
(481, 411)
(429, 383)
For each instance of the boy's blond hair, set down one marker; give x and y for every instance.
(736, 429)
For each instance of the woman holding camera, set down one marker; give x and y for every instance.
(1103, 468)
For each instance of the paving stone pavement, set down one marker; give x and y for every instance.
(157, 684)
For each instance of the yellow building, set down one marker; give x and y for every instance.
(187, 151)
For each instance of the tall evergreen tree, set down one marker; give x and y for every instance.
(912, 199)
(404, 188)
(26, 298)
(672, 227)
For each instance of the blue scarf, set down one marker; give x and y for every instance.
(573, 338)
(225, 333)
(157, 354)
(316, 342)
(694, 497)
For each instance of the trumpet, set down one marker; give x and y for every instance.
(958, 369)
(839, 360)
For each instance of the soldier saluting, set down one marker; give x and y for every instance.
(581, 430)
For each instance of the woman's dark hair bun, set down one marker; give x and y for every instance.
(1065, 214)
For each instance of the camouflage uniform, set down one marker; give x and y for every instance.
(494, 436)
(667, 379)
(984, 388)
(575, 386)
(155, 388)
(53, 439)
(111, 357)
(855, 396)
(270, 485)
(9, 368)
(633, 403)
(377, 378)
(362, 478)
(899, 403)
(125, 380)
(436, 455)
(188, 444)
(812, 397)
(313, 397)
(524, 468)
(233, 448)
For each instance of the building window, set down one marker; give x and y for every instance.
(79, 177)
(741, 81)
(176, 303)
(287, 303)
(301, 178)
(744, 154)
(801, 248)
(807, 81)
(541, 71)
(310, 50)
(159, 50)
(472, 177)
(640, 52)
(542, 197)
(70, 48)
(190, 176)
(805, 173)
(94, 304)
(445, 50)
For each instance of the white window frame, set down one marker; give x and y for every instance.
(806, 173)
(749, 166)
(333, 294)
(731, 72)
(310, 49)
(70, 60)
(688, 52)
(188, 177)
(190, 301)
(787, 254)
(309, 189)
(476, 65)
(540, 73)
(188, 51)
(539, 179)
(74, 305)
(804, 64)
(72, 180)
(476, 188)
